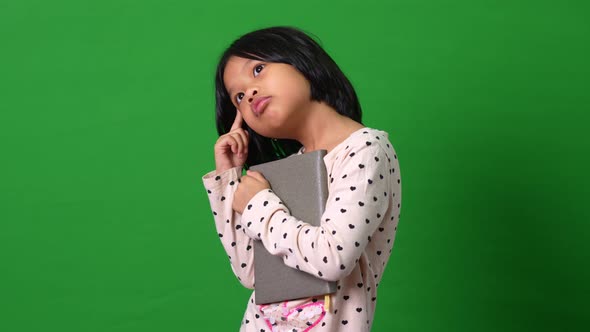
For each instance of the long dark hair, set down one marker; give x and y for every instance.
(290, 46)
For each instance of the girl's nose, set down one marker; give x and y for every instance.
(253, 94)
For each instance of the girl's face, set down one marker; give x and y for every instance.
(272, 97)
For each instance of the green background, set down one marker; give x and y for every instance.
(107, 126)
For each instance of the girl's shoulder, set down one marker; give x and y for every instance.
(362, 139)
(366, 146)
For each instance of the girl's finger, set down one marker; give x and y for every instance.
(228, 141)
(238, 144)
(237, 121)
(257, 175)
(241, 135)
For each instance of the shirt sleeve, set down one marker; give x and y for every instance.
(238, 246)
(360, 183)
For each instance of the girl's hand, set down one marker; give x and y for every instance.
(231, 149)
(249, 185)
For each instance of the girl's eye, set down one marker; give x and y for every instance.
(258, 69)
(239, 97)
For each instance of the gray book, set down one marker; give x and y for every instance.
(301, 181)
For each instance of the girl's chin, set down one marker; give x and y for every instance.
(267, 130)
(266, 133)
(269, 133)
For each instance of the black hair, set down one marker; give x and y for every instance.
(294, 47)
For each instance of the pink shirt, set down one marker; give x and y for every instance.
(352, 245)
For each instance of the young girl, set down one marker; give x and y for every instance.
(278, 93)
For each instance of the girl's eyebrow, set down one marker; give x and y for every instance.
(244, 67)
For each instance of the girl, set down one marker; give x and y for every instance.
(278, 93)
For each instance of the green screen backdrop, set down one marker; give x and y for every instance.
(107, 125)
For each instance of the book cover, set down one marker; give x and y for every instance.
(301, 181)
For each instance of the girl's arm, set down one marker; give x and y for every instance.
(361, 185)
(238, 246)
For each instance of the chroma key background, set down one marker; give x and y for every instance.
(107, 125)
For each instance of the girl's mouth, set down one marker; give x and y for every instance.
(259, 105)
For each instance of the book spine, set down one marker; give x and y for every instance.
(322, 187)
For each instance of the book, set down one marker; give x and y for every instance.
(301, 181)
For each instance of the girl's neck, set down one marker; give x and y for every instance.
(324, 128)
